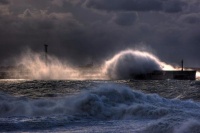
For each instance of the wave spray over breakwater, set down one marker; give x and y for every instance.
(120, 66)
(37, 68)
(133, 62)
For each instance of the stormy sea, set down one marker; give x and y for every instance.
(88, 106)
(93, 99)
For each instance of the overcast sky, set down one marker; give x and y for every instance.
(82, 31)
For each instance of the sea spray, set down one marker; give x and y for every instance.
(126, 63)
(121, 66)
(38, 68)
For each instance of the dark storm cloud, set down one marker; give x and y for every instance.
(193, 18)
(125, 5)
(173, 6)
(4, 2)
(170, 6)
(125, 19)
(32, 28)
(76, 32)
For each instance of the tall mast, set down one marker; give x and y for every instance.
(182, 65)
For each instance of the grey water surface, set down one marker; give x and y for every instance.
(165, 106)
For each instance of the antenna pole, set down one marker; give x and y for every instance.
(182, 65)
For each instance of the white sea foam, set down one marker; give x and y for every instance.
(108, 102)
(189, 126)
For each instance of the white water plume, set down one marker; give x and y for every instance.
(37, 68)
(133, 62)
(198, 75)
(121, 66)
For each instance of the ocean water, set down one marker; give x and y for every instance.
(168, 106)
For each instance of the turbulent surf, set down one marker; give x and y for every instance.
(99, 106)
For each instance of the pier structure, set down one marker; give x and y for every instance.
(166, 74)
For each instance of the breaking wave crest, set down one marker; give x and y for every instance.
(106, 102)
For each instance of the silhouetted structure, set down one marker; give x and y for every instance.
(162, 75)
(182, 65)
